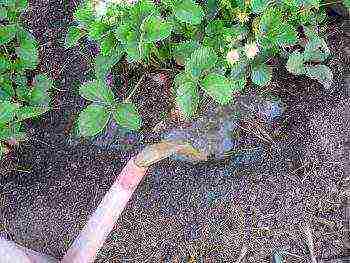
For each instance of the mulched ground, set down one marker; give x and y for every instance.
(209, 211)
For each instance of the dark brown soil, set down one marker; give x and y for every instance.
(208, 211)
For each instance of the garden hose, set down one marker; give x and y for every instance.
(101, 223)
(164, 149)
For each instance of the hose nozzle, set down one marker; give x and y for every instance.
(164, 149)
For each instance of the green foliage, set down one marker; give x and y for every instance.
(126, 115)
(187, 95)
(21, 98)
(218, 87)
(303, 62)
(95, 117)
(92, 120)
(188, 11)
(105, 63)
(73, 35)
(221, 45)
(97, 91)
(201, 59)
(261, 74)
(347, 3)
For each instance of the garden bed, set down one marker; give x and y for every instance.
(207, 211)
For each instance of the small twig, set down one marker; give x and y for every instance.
(65, 63)
(307, 230)
(265, 133)
(257, 135)
(135, 88)
(41, 142)
(57, 89)
(331, 3)
(23, 171)
(300, 167)
(243, 254)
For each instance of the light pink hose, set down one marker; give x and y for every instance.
(86, 246)
(101, 223)
(10, 252)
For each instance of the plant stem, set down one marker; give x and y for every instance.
(135, 88)
(331, 3)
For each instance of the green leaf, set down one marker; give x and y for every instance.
(5, 63)
(28, 50)
(182, 51)
(12, 131)
(22, 89)
(126, 34)
(170, 3)
(239, 84)
(215, 27)
(273, 30)
(29, 112)
(155, 29)
(141, 10)
(259, 6)
(316, 50)
(7, 111)
(238, 69)
(287, 35)
(127, 116)
(4, 95)
(26, 38)
(309, 3)
(107, 44)
(135, 47)
(188, 11)
(92, 120)
(39, 94)
(105, 63)
(2, 150)
(218, 87)
(278, 257)
(261, 74)
(202, 59)
(211, 9)
(6, 87)
(18, 5)
(270, 20)
(20, 79)
(73, 35)
(23, 93)
(295, 63)
(321, 73)
(85, 14)
(28, 57)
(97, 91)
(12, 15)
(3, 13)
(130, 40)
(7, 33)
(346, 3)
(187, 96)
(97, 30)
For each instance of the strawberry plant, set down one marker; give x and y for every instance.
(220, 47)
(21, 97)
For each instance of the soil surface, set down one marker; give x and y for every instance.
(207, 212)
